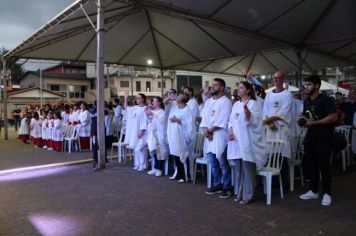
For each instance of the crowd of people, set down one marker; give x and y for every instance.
(235, 130)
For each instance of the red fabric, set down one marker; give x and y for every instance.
(84, 142)
(49, 143)
(57, 145)
(44, 142)
(37, 141)
(24, 137)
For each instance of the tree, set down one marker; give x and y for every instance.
(16, 69)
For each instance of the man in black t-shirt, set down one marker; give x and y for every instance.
(319, 116)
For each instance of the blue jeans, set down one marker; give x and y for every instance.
(220, 177)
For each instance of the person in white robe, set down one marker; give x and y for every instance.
(180, 129)
(57, 132)
(36, 130)
(24, 130)
(246, 148)
(136, 135)
(277, 117)
(117, 122)
(85, 124)
(74, 115)
(65, 114)
(44, 129)
(109, 128)
(157, 136)
(49, 132)
(214, 124)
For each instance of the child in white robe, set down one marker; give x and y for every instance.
(36, 130)
(24, 130)
(44, 130)
(49, 132)
(57, 132)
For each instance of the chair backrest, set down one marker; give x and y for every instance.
(345, 130)
(275, 159)
(75, 132)
(198, 144)
(122, 132)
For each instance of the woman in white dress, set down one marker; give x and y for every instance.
(179, 134)
(44, 129)
(156, 136)
(246, 148)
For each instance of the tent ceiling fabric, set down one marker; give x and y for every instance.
(219, 36)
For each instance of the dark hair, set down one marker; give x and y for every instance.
(58, 115)
(184, 98)
(66, 107)
(190, 89)
(248, 86)
(143, 97)
(221, 82)
(338, 93)
(117, 101)
(199, 99)
(315, 79)
(261, 91)
(85, 105)
(160, 100)
(174, 91)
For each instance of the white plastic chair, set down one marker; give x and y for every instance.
(273, 167)
(296, 161)
(346, 152)
(67, 132)
(197, 151)
(73, 139)
(203, 161)
(120, 147)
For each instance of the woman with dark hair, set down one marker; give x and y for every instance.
(65, 114)
(156, 136)
(85, 124)
(50, 124)
(57, 132)
(36, 130)
(180, 131)
(246, 148)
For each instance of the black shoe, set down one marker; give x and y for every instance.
(226, 193)
(214, 190)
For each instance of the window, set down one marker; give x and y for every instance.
(148, 86)
(59, 88)
(76, 91)
(124, 84)
(54, 87)
(138, 86)
(159, 84)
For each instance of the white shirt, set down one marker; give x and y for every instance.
(217, 113)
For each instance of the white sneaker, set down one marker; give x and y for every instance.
(326, 200)
(309, 195)
(44, 147)
(158, 173)
(142, 168)
(135, 168)
(181, 181)
(152, 172)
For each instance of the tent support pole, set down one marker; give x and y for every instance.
(100, 83)
(300, 69)
(161, 82)
(5, 97)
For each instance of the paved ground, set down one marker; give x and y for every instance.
(119, 201)
(15, 154)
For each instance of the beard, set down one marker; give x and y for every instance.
(311, 92)
(216, 92)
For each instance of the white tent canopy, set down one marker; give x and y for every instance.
(325, 86)
(230, 36)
